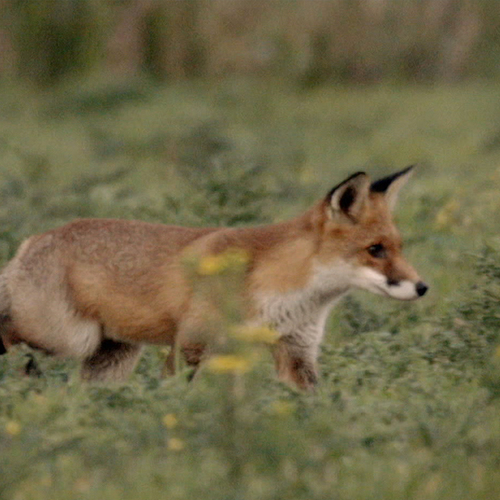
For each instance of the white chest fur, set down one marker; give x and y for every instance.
(301, 314)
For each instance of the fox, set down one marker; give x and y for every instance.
(99, 289)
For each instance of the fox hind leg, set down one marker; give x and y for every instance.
(194, 354)
(112, 361)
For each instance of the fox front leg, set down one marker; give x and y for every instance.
(296, 364)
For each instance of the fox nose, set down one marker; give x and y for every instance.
(421, 288)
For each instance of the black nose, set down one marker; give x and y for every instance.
(421, 288)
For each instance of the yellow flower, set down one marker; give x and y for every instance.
(170, 421)
(228, 363)
(215, 264)
(13, 428)
(255, 334)
(210, 264)
(175, 444)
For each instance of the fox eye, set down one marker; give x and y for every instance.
(378, 251)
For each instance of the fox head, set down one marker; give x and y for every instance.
(358, 231)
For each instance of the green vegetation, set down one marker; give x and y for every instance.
(407, 405)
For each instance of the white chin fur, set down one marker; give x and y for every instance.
(373, 281)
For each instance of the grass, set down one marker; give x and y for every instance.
(407, 405)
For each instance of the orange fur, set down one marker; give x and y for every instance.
(98, 288)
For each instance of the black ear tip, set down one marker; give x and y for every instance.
(357, 174)
(409, 168)
(382, 185)
(349, 179)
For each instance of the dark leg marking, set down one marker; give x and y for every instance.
(112, 361)
(5, 324)
(303, 373)
(32, 369)
(193, 354)
(294, 365)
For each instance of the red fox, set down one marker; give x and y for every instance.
(97, 289)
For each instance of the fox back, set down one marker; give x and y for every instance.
(97, 289)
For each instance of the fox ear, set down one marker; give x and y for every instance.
(391, 185)
(350, 197)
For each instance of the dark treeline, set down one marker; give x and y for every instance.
(309, 41)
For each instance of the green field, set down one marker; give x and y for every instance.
(408, 401)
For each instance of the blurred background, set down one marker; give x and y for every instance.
(234, 112)
(245, 111)
(306, 41)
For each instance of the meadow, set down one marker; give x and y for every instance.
(408, 400)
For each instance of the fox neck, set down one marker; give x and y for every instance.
(301, 314)
(298, 291)
(286, 259)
